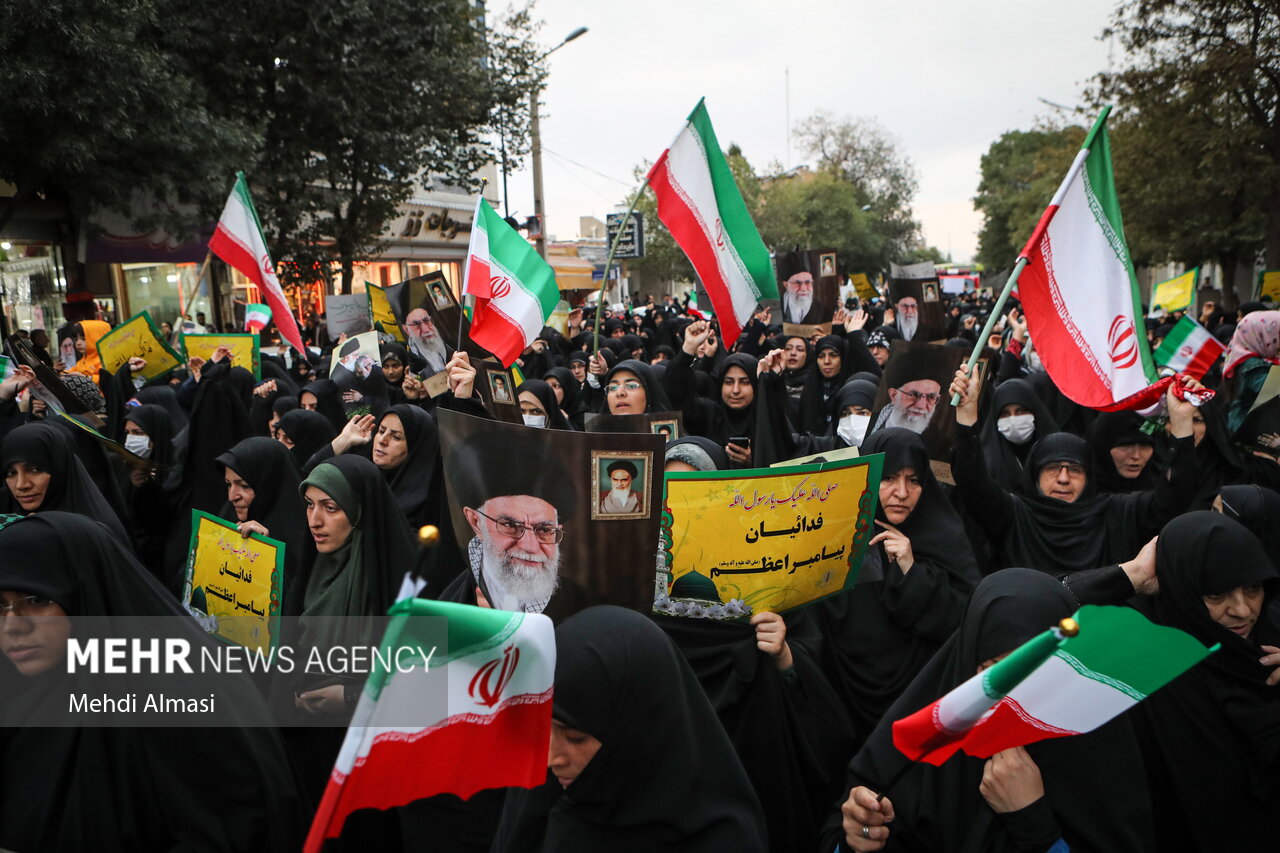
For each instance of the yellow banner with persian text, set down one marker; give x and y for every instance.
(233, 582)
(137, 337)
(765, 539)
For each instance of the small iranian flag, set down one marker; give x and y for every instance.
(1080, 293)
(7, 368)
(1189, 348)
(1052, 687)
(238, 240)
(701, 206)
(256, 317)
(498, 671)
(514, 288)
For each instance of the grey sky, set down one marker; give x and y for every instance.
(945, 78)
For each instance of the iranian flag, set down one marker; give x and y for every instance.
(238, 241)
(256, 317)
(513, 287)
(484, 722)
(1189, 348)
(1056, 684)
(700, 204)
(1079, 291)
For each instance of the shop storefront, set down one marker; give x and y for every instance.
(33, 286)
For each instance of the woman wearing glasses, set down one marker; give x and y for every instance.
(1062, 523)
(630, 389)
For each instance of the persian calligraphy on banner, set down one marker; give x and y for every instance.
(864, 287)
(244, 349)
(765, 539)
(137, 336)
(233, 582)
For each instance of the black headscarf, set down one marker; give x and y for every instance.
(547, 400)
(702, 453)
(876, 636)
(1058, 537)
(416, 482)
(731, 422)
(328, 401)
(1110, 430)
(1212, 735)
(1004, 458)
(1257, 508)
(165, 397)
(125, 789)
(49, 448)
(568, 385)
(655, 395)
(665, 776)
(269, 469)
(1093, 782)
(815, 409)
(156, 423)
(309, 431)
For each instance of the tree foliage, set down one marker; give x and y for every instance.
(337, 109)
(1019, 174)
(1199, 94)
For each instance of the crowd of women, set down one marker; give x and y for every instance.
(669, 733)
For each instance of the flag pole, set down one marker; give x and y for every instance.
(613, 248)
(991, 320)
(1036, 234)
(462, 308)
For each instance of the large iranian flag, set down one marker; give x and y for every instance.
(1080, 293)
(514, 288)
(700, 204)
(238, 240)
(492, 732)
(1052, 686)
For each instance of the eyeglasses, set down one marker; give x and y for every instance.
(417, 324)
(545, 532)
(1055, 468)
(632, 387)
(33, 608)
(916, 396)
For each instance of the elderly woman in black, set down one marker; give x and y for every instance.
(1211, 737)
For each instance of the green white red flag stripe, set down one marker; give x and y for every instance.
(256, 317)
(701, 206)
(1189, 348)
(1079, 291)
(7, 367)
(499, 666)
(514, 288)
(1052, 686)
(238, 240)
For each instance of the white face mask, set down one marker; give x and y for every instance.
(138, 445)
(539, 421)
(1017, 428)
(852, 428)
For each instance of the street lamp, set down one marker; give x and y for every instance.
(535, 153)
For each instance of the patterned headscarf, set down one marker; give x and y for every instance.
(1257, 336)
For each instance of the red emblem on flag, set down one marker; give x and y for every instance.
(499, 286)
(1123, 343)
(491, 679)
(1185, 351)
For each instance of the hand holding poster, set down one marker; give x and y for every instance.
(233, 582)
(244, 349)
(137, 337)
(765, 539)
